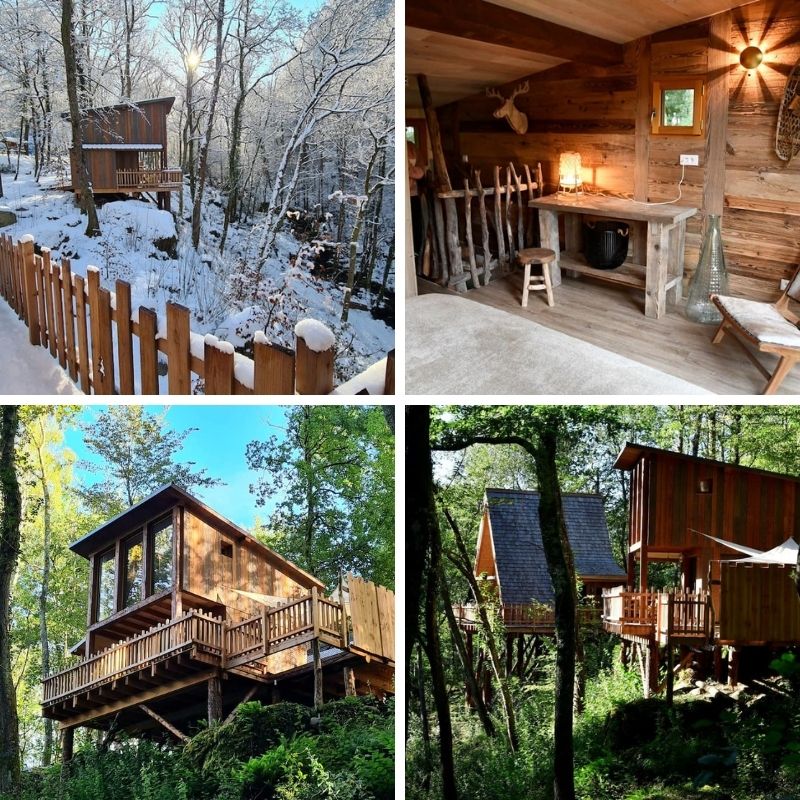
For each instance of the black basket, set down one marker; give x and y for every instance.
(605, 243)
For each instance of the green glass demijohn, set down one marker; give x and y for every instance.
(709, 278)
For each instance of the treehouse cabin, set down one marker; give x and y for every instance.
(731, 533)
(510, 561)
(188, 615)
(125, 149)
(589, 150)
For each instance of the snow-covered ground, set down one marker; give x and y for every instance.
(226, 297)
(27, 369)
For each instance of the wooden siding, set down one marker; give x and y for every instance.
(758, 604)
(594, 110)
(484, 560)
(145, 124)
(372, 612)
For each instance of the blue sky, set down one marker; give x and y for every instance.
(218, 444)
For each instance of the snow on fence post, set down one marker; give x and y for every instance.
(274, 367)
(179, 377)
(218, 360)
(31, 311)
(315, 352)
(148, 350)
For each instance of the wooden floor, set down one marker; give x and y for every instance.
(613, 318)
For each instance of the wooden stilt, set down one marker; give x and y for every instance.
(349, 682)
(509, 654)
(718, 664)
(502, 260)
(625, 653)
(214, 699)
(520, 671)
(67, 744)
(487, 254)
(249, 696)
(274, 693)
(318, 699)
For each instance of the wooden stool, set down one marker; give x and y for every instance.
(536, 283)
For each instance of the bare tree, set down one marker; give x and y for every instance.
(83, 186)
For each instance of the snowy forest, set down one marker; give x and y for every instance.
(282, 126)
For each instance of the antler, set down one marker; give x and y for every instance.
(495, 93)
(522, 88)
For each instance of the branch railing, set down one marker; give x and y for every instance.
(149, 179)
(108, 348)
(536, 616)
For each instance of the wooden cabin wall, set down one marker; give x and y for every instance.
(603, 113)
(146, 124)
(484, 561)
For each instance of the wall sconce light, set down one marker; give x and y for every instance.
(751, 57)
(570, 179)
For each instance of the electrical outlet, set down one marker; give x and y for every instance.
(688, 160)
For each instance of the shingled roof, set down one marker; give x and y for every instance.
(517, 538)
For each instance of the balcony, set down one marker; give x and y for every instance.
(149, 180)
(659, 616)
(533, 618)
(179, 650)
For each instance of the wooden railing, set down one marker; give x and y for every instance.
(157, 643)
(671, 613)
(149, 179)
(528, 615)
(91, 332)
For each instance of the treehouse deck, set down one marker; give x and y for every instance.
(180, 652)
(523, 618)
(662, 617)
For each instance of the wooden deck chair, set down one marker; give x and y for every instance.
(770, 327)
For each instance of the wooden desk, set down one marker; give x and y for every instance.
(666, 237)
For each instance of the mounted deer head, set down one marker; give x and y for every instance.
(518, 120)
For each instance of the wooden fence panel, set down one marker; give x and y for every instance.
(69, 318)
(31, 308)
(104, 343)
(148, 350)
(218, 369)
(58, 303)
(45, 297)
(179, 375)
(83, 338)
(274, 368)
(372, 615)
(314, 369)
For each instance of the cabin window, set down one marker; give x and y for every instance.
(133, 571)
(106, 580)
(162, 555)
(705, 486)
(226, 548)
(678, 106)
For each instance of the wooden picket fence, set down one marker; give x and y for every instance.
(77, 318)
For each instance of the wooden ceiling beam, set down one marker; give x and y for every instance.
(481, 21)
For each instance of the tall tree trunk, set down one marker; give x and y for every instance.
(559, 565)
(423, 554)
(81, 172)
(387, 268)
(44, 593)
(202, 170)
(10, 518)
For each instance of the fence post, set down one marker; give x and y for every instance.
(31, 314)
(178, 355)
(148, 351)
(315, 352)
(218, 366)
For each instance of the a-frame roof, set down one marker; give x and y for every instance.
(522, 573)
(161, 501)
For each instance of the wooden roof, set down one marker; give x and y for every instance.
(161, 501)
(464, 46)
(631, 453)
(522, 574)
(167, 101)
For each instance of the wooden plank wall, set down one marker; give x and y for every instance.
(372, 613)
(758, 604)
(594, 111)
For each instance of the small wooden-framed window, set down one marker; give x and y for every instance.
(161, 549)
(705, 486)
(678, 106)
(132, 571)
(106, 584)
(226, 549)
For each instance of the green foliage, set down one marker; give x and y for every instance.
(333, 476)
(264, 753)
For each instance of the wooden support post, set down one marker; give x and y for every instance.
(349, 682)
(441, 177)
(457, 278)
(733, 666)
(520, 656)
(652, 667)
(717, 663)
(624, 653)
(487, 253)
(164, 723)
(179, 371)
(473, 268)
(29, 278)
(214, 699)
(318, 694)
(67, 744)
(670, 672)
(502, 259)
(249, 696)
(509, 654)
